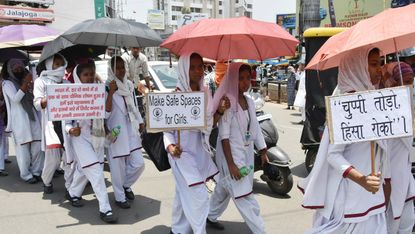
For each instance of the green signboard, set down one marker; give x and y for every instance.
(99, 9)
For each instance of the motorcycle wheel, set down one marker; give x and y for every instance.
(283, 183)
(310, 158)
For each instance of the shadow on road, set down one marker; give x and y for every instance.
(296, 114)
(157, 230)
(230, 227)
(299, 171)
(261, 187)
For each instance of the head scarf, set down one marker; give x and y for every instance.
(125, 89)
(27, 100)
(183, 69)
(354, 72)
(97, 130)
(54, 75)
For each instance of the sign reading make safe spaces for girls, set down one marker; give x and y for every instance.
(370, 115)
(75, 101)
(176, 111)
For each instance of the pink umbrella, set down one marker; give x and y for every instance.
(390, 31)
(234, 38)
(23, 35)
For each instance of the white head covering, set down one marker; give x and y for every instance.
(98, 130)
(183, 69)
(318, 194)
(354, 72)
(54, 75)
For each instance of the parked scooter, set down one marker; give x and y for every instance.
(277, 173)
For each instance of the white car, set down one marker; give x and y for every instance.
(163, 77)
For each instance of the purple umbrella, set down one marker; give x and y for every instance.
(25, 35)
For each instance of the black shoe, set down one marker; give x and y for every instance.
(48, 189)
(300, 123)
(108, 217)
(215, 225)
(123, 205)
(171, 232)
(75, 201)
(32, 180)
(7, 161)
(38, 178)
(288, 108)
(129, 193)
(292, 108)
(3, 173)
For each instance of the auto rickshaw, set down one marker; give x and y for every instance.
(318, 85)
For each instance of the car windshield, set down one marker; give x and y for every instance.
(167, 75)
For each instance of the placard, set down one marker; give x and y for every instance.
(176, 111)
(370, 115)
(75, 101)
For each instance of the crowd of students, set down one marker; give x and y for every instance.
(347, 198)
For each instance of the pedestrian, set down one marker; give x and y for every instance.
(400, 213)
(3, 122)
(190, 161)
(137, 67)
(291, 79)
(87, 139)
(23, 120)
(124, 153)
(300, 98)
(346, 197)
(52, 135)
(239, 131)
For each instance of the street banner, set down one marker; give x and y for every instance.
(26, 13)
(186, 19)
(99, 9)
(176, 111)
(155, 19)
(286, 21)
(75, 101)
(370, 115)
(46, 2)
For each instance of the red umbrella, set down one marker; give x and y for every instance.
(390, 31)
(234, 38)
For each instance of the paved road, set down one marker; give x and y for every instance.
(24, 208)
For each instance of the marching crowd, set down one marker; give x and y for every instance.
(347, 198)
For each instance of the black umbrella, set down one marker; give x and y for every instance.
(112, 32)
(11, 53)
(70, 50)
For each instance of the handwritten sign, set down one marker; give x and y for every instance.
(176, 111)
(75, 101)
(370, 115)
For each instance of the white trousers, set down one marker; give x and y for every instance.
(248, 207)
(6, 148)
(125, 171)
(52, 163)
(95, 175)
(29, 159)
(405, 223)
(190, 207)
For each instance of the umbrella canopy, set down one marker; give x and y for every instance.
(11, 53)
(234, 38)
(70, 50)
(390, 31)
(24, 35)
(112, 32)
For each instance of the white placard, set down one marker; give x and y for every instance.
(370, 115)
(176, 111)
(75, 101)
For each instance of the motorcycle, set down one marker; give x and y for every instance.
(276, 173)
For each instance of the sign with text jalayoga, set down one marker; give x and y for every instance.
(75, 101)
(26, 13)
(370, 115)
(176, 111)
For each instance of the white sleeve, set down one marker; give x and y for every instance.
(169, 138)
(224, 125)
(12, 95)
(68, 125)
(336, 160)
(39, 93)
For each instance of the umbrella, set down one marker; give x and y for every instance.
(9, 53)
(234, 38)
(390, 31)
(70, 50)
(112, 32)
(25, 35)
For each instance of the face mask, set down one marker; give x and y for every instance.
(19, 75)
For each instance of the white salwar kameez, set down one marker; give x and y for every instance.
(26, 133)
(89, 165)
(400, 214)
(124, 155)
(233, 126)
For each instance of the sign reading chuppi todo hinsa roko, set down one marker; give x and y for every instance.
(370, 115)
(176, 111)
